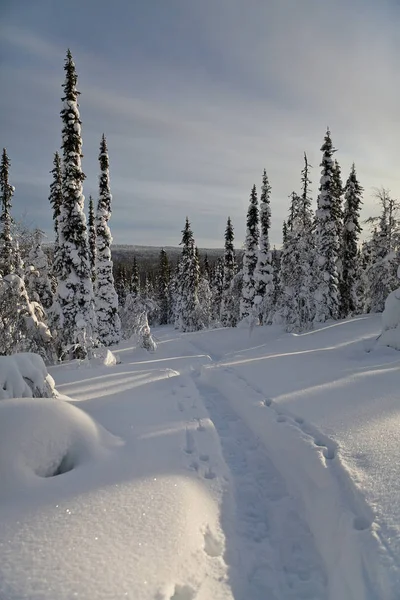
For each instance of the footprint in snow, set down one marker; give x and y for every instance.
(281, 419)
(190, 445)
(328, 452)
(181, 408)
(183, 592)
(362, 523)
(204, 457)
(209, 474)
(213, 546)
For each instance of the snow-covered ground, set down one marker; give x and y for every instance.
(229, 464)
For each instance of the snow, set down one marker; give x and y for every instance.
(230, 463)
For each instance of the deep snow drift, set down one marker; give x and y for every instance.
(229, 464)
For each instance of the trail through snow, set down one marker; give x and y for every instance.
(270, 550)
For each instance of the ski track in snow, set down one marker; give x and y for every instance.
(270, 550)
(351, 509)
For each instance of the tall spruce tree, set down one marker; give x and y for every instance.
(351, 231)
(189, 273)
(296, 270)
(121, 283)
(7, 254)
(327, 243)
(250, 257)
(92, 239)
(338, 192)
(228, 317)
(263, 271)
(290, 268)
(108, 322)
(55, 199)
(135, 279)
(175, 295)
(163, 277)
(217, 288)
(74, 289)
(305, 210)
(206, 268)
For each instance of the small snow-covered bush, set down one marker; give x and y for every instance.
(135, 324)
(25, 375)
(104, 357)
(145, 338)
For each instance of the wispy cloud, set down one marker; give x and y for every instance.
(198, 101)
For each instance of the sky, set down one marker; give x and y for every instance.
(196, 98)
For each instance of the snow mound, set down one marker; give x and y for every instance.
(25, 375)
(44, 437)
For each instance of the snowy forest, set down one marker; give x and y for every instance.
(66, 300)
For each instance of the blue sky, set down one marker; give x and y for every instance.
(195, 99)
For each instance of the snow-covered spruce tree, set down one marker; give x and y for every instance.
(217, 288)
(175, 295)
(338, 192)
(149, 299)
(377, 284)
(284, 231)
(276, 290)
(37, 277)
(55, 199)
(22, 322)
(296, 279)
(92, 239)
(206, 270)
(250, 258)
(327, 244)
(349, 303)
(74, 286)
(263, 270)
(121, 283)
(204, 295)
(189, 265)
(163, 278)
(19, 264)
(7, 254)
(381, 273)
(108, 322)
(228, 318)
(135, 279)
(303, 239)
(360, 280)
(290, 269)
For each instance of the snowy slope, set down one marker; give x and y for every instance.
(252, 465)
